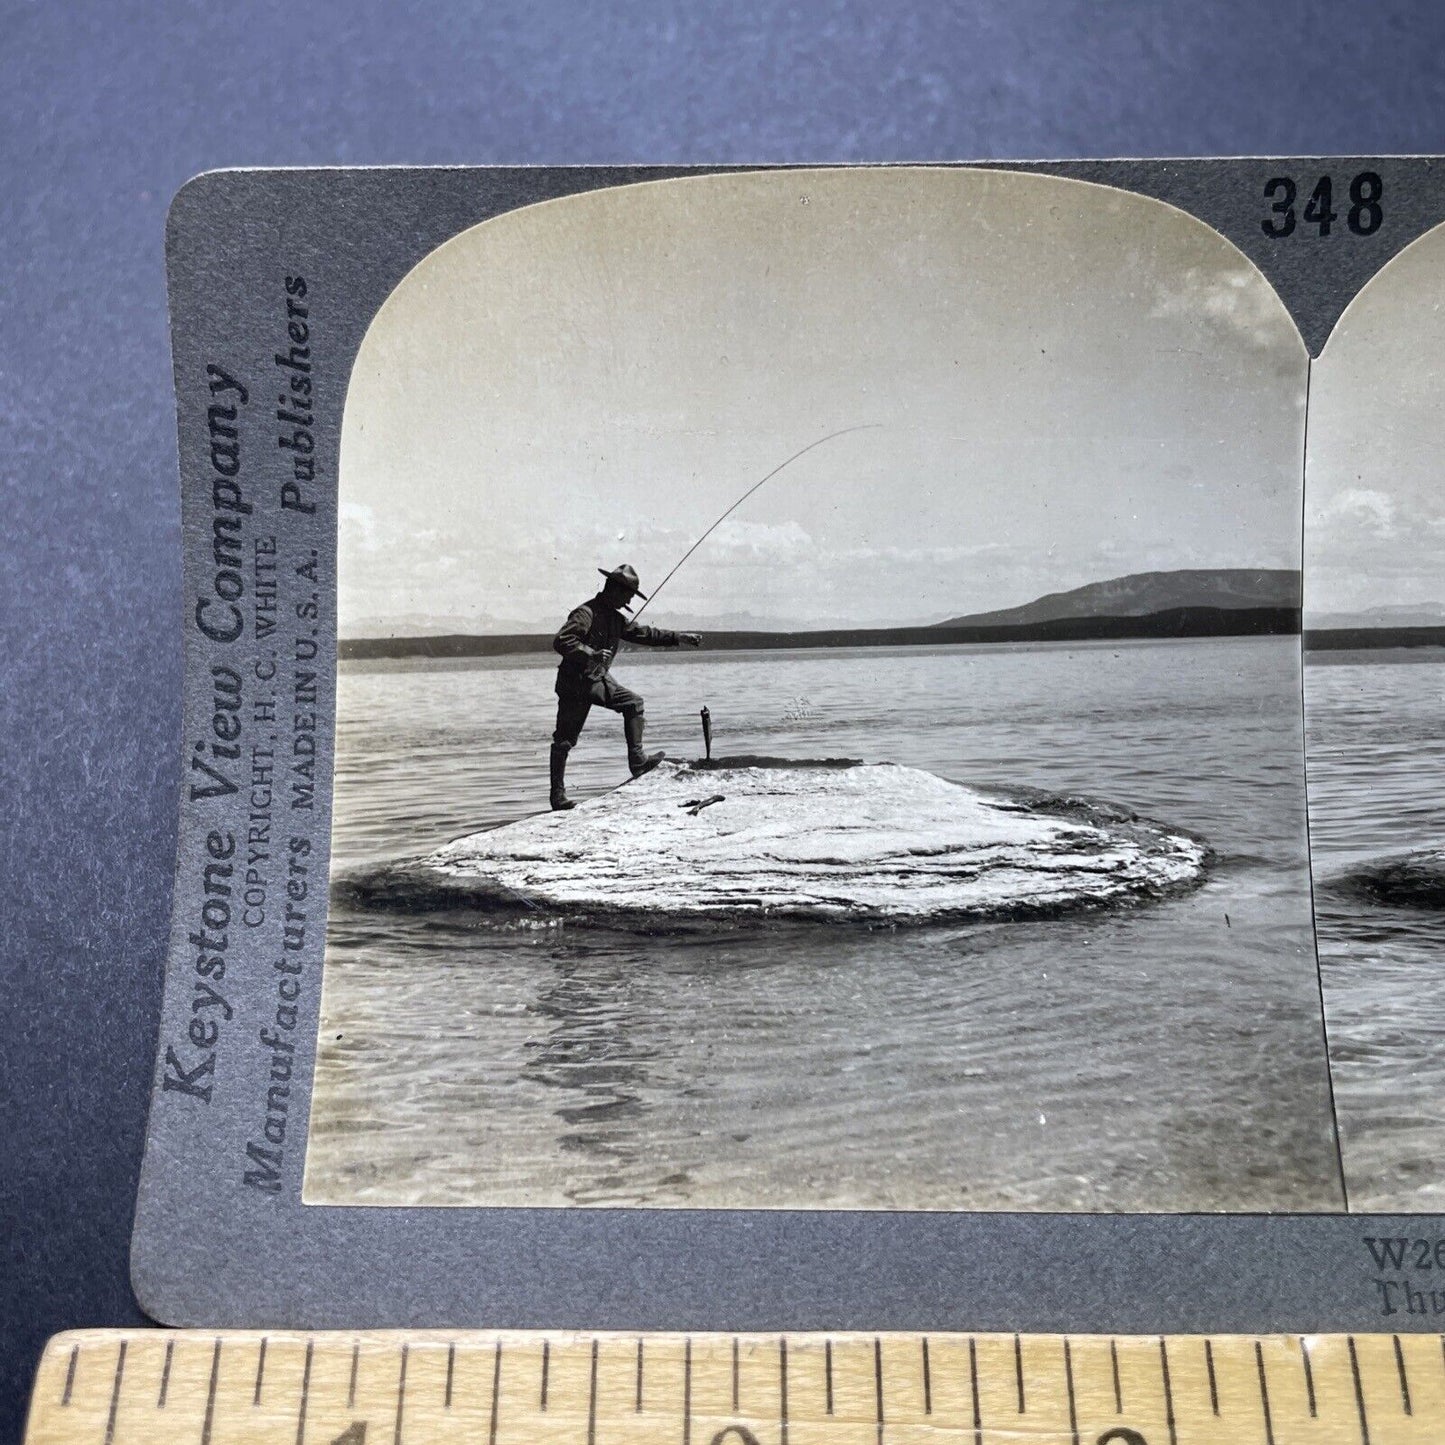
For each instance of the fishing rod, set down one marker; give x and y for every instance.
(843, 431)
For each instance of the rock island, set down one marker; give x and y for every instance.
(833, 839)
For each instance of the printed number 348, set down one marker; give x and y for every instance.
(1363, 217)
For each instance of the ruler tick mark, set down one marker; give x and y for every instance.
(878, 1384)
(927, 1383)
(828, 1373)
(546, 1366)
(1404, 1382)
(973, 1385)
(686, 1392)
(115, 1395)
(735, 1375)
(639, 1377)
(305, 1394)
(400, 1395)
(1069, 1386)
(496, 1392)
(70, 1374)
(783, 1390)
(1114, 1367)
(351, 1388)
(1214, 1384)
(1019, 1370)
(1359, 1393)
(166, 1375)
(1168, 1392)
(1304, 1350)
(211, 1394)
(1264, 1393)
(591, 1399)
(451, 1370)
(260, 1374)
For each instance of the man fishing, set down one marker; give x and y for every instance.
(588, 641)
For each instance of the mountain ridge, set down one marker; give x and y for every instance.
(1142, 594)
(1419, 614)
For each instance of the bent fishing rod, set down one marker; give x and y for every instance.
(842, 431)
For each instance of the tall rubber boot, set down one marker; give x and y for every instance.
(639, 761)
(560, 800)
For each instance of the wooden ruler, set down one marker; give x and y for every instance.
(382, 1388)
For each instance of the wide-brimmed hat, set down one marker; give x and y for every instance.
(624, 576)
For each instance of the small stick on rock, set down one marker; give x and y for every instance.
(696, 805)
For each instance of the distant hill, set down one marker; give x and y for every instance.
(1418, 614)
(1361, 639)
(1142, 594)
(1412, 625)
(428, 624)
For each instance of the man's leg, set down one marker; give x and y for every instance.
(571, 714)
(629, 704)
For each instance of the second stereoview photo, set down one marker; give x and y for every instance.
(1374, 699)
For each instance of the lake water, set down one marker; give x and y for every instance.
(1376, 785)
(1165, 1058)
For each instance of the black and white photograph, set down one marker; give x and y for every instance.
(1374, 690)
(819, 709)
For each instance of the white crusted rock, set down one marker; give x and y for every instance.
(821, 840)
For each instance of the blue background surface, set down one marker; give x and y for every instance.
(105, 109)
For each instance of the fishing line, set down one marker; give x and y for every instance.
(864, 426)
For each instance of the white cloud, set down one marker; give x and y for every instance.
(1240, 301)
(763, 541)
(1360, 508)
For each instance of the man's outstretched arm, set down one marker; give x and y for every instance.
(640, 632)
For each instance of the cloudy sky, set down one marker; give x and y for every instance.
(1375, 514)
(1062, 383)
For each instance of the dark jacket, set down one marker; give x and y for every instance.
(589, 639)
